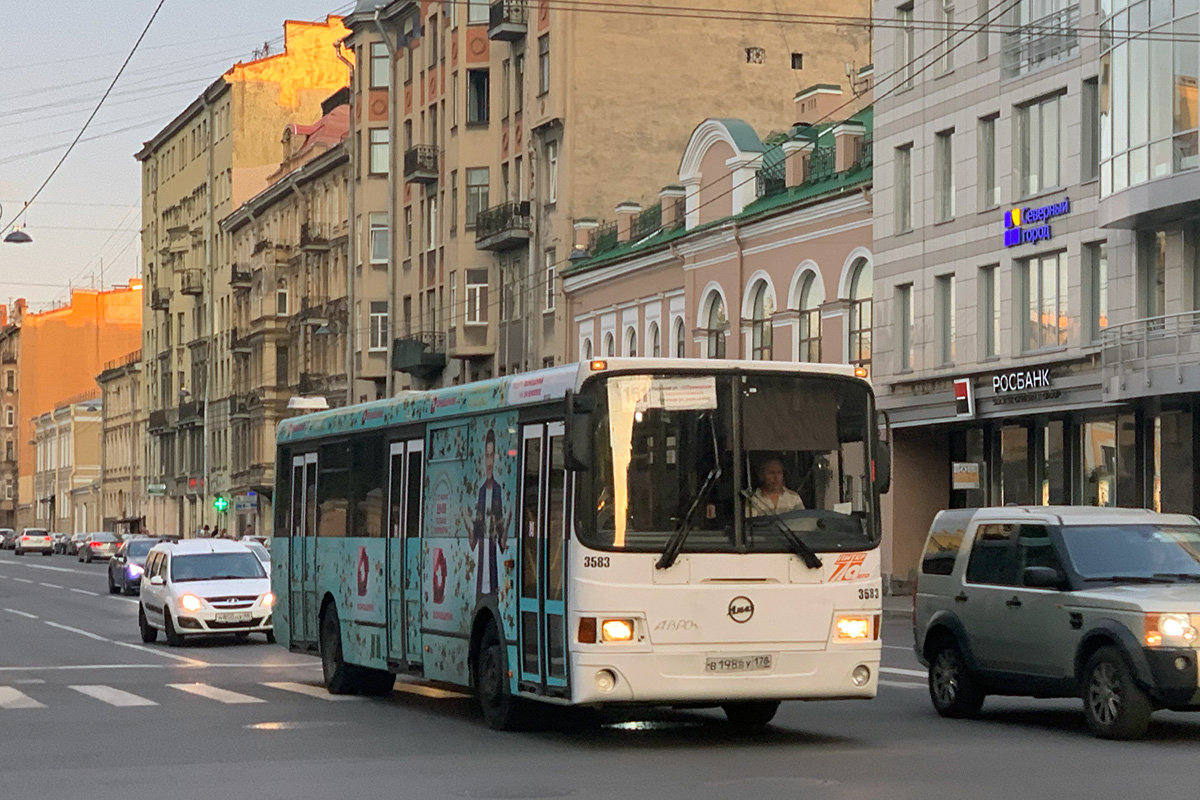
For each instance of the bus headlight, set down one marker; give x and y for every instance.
(852, 628)
(617, 630)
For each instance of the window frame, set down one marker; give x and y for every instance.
(377, 326)
(379, 148)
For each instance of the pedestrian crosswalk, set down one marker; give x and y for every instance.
(43, 696)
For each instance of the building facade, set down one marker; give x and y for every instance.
(122, 488)
(481, 134)
(67, 477)
(10, 407)
(218, 153)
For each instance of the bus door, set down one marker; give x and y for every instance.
(542, 613)
(302, 552)
(406, 472)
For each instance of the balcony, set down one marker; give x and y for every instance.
(159, 421)
(239, 407)
(1041, 43)
(240, 278)
(503, 227)
(238, 345)
(312, 312)
(507, 21)
(312, 383)
(160, 300)
(421, 164)
(1153, 356)
(313, 237)
(192, 282)
(422, 355)
(191, 412)
(10, 357)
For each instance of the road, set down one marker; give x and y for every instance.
(88, 711)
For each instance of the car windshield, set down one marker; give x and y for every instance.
(35, 532)
(104, 537)
(1135, 551)
(751, 462)
(138, 548)
(216, 567)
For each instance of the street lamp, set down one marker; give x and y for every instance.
(18, 235)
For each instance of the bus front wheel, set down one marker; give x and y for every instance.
(751, 714)
(501, 711)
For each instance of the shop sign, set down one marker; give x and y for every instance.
(245, 502)
(1024, 386)
(1032, 225)
(156, 489)
(964, 398)
(965, 475)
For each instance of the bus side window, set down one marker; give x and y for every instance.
(412, 522)
(283, 492)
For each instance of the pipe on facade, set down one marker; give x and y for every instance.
(210, 317)
(389, 381)
(351, 233)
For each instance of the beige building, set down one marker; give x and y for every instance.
(122, 489)
(290, 311)
(481, 134)
(10, 407)
(67, 443)
(219, 152)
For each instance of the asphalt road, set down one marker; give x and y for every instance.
(88, 711)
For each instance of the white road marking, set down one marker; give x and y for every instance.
(81, 591)
(912, 673)
(28, 680)
(114, 697)
(194, 662)
(22, 580)
(124, 599)
(308, 689)
(214, 693)
(64, 667)
(897, 647)
(900, 685)
(11, 698)
(24, 614)
(50, 585)
(59, 569)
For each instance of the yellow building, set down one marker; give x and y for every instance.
(122, 488)
(67, 443)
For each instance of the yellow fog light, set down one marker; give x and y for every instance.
(190, 602)
(617, 630)
(852, 629)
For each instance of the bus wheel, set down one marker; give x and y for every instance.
(499, 708)
(751, 714)
(335, 670)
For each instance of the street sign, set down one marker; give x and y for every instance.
(156, 489)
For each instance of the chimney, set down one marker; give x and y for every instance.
(674, 211)
(817, 103)
(795, 159)
(847, 144)
(583, 233)
(625, 213)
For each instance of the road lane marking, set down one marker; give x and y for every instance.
(897, 647)
(194, 662)
(81, 591)
(50, 585)
(215, 693)
(124, 599)
(308, 689)
(901, 685)
(912, 673)
(11, 698)
(60, 569)
(114, 697)
(65, 667)
(24, 614)
(22, 580)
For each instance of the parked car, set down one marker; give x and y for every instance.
(8, 539)
(60, 542)
(126, 566)
(262, 553)
(98, 545)
(204, 586)
(37, 540)
(1100, 604)
(71, 548)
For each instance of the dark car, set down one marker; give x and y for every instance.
(125, 568)
(71, 546)
(98, 545)
(8, 538)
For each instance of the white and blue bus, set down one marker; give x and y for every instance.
(629, 531)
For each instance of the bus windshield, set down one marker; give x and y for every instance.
(749, 462)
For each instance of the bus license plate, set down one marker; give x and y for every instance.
(237, 616)
(737, 664)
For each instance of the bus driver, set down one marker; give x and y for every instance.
(772, 496)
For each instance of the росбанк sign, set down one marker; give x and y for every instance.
(1031, 225)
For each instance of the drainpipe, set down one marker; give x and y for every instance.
(389, 382)
(741, 269)
(212, 309)
(351, 232)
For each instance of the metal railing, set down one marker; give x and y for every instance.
(647, 222)
(1134, 355)
(1040, 43)
(504, 217)
(507, 12)
(771, 179)
(866, 153)
(421, 159)
(603, 238)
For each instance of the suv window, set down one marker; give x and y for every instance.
(993, 556)
(1035, 548)
(940, 552)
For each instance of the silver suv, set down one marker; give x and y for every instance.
(1040, 601)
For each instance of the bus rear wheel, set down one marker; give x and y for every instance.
(501, 711)
(343, 678)
(751, 713)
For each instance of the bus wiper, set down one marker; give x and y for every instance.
(1181, 576)
(802, 550)
(1128, 579)
(675, 543)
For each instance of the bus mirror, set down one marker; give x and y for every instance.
(883, 467)
(579, 432)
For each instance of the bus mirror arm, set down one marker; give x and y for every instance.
(579, 432)
(883, 455)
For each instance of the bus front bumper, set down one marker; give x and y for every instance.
(675, 676)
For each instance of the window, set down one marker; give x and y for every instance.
(761, 331)
(943, 175)
(281, 297)
(941, 550)
(655, 340)
(477, 297)
(431, 38)
(715, 324)
(945, 319)
(811, 296)
(381, 67)
(379, 237)
(945, 62)
(10, 417)
(477, 12)
(983, 39)
(1090, 146)
(905, 47)
(630, 343)
(1040, 148)
(904, 317)
(453, 101)
(989, 311)
(408, 232)
(993, 556)
(989, 186)
(543, 63)
(431, 223)
(551, 260)
(587, 349)
(1046, 290)
(903, 178)
(477, 193)
(860, 314)
(453, 202)
(477, 97)
(610, 347)
(519, 82)
(378, 326)
(380, 149)
(797, 60)
(505, 97)
(1152, 272)
(406, 310)
(551, 172)
(10, 380)
(1095, 266)
(281, 365)
(680, 340)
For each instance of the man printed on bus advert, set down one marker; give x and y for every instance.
(489, 530)
(772, 495)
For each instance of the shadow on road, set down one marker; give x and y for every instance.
(1163, 728)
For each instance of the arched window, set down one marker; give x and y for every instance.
(810, 319)
(655, 341)
(761, 332)
(281, 297)
(714, 324)
(587, 349)
(680, 343)
(860, 314)
(630, 342)
(610, 345)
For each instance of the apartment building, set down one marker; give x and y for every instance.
(67, 442)
(482, 133)
(291, 303)
(10, 407)
(218, 153)
(122, 488)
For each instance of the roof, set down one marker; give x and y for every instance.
(1085, 515)
(191, 547)
(743, 135)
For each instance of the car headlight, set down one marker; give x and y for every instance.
(134, 570)
(1170, 630)
(617, 630)
(268, 599)
(852, 628)
(189, 602)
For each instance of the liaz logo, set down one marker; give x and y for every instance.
(846, 568)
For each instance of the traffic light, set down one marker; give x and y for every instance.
(220, 504)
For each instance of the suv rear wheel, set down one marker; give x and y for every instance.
(1114, 705)
(952, 688)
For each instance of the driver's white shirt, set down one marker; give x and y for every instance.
(761, 504)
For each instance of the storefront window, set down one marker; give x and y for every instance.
(1055, 489)
(1099, 446)
(1014, 466)
(970, 480)
(1172, 490)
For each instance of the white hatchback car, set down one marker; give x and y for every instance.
(204, 587)
(34, 540)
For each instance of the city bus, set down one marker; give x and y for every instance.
(630, 532)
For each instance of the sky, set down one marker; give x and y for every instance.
(53, 71)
